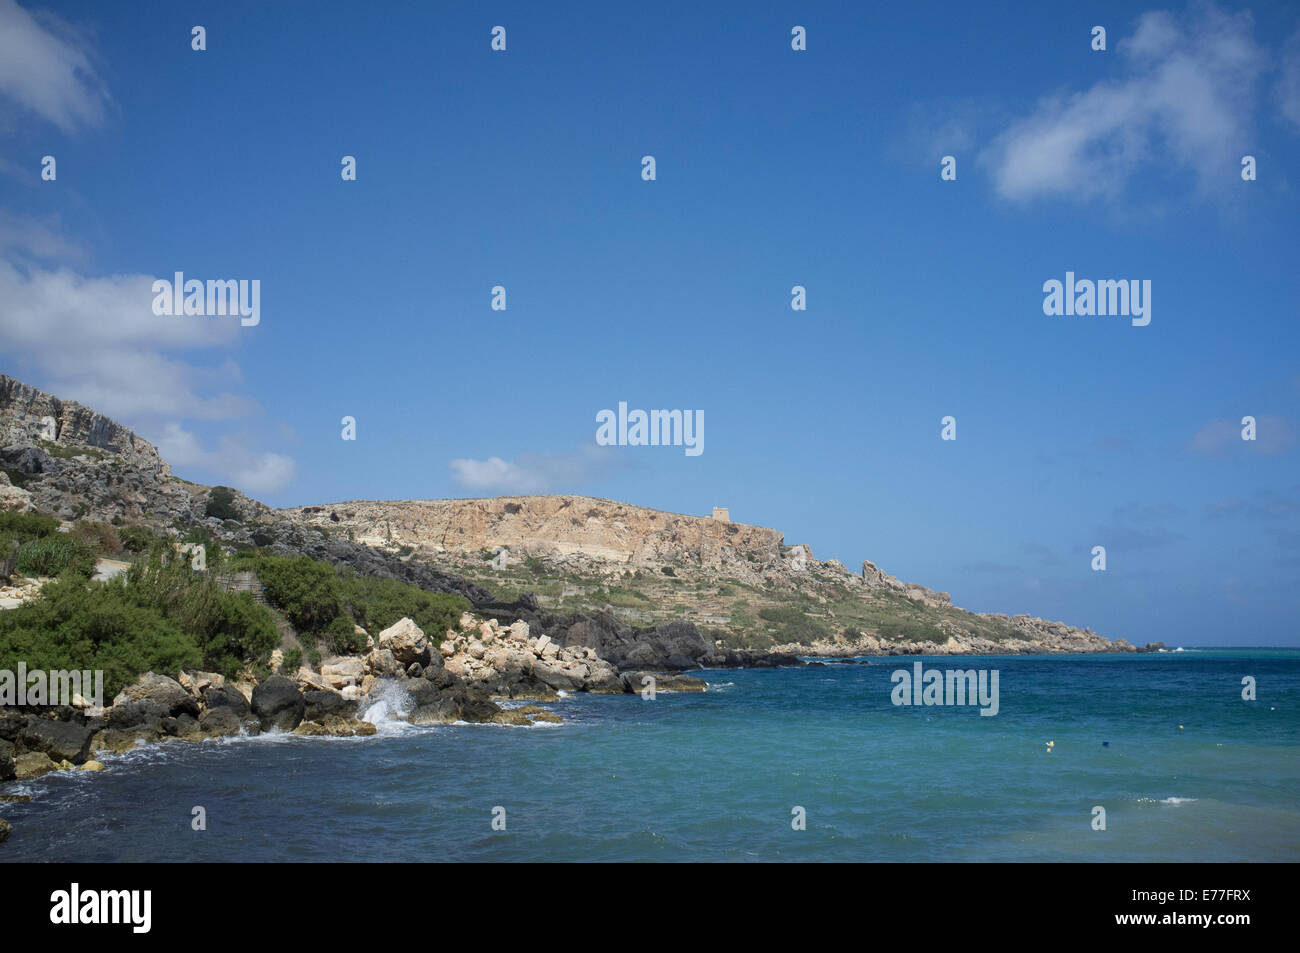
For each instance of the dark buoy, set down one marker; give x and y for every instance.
(1105, 744)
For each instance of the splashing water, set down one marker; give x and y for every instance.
(387, 707)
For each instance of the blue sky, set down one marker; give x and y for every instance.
(775, 168)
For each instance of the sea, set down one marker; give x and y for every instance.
(1151, 757)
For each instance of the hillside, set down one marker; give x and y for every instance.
(604, 574)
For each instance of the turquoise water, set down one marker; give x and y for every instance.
(715, 776)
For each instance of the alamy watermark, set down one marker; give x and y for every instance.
(655, 428)
(58, 687)
(213, 298)
(947, 687)
(1107, 296)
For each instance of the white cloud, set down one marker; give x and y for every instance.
(496, 474)
(533, 473)
(100, 343)
(45, 68)
(1184, 102)
(233, 461)
(97, 341)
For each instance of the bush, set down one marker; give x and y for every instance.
(344, 638)
(292, 662)
(378, 603)
(229, 628)
(72, 625)
(53, 555)
(25, 526)
(136, 538)
(306, 590)
(100, 537)
(221, 503)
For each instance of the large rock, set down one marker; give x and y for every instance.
(60, 740)
(336, 726)
(406, 641)
(228, 697)
(343, 671)
(323, 704)
(277, 703)
(381, 663)
(220, 722)
(669, 645)
(196, 683)
(144, 717)
(663, 682)
(33, 764)
(161, 690)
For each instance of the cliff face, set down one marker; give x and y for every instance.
(549, 525)
(29, 416)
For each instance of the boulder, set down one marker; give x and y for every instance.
(344, 671)
(145, 715)
(219, 722)
(664, 682)
(61, 740)
(33, 764)
(164, 691)
(309, 680)
(277, 703)
(196, 683)
(406, 641)
(336, 726)
(228, 697)
(5, 830)
(381, 663)
(558, 677)
(185, 727)
(323, 704)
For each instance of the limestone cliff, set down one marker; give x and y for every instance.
(28, 415)
(546, 525)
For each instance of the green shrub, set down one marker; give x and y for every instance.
(136, 538)
(75, 625)
(229, 628)
(26, 526)
(378, 603)
(306, 590)
(221, 503)
(784, 614)
(53, 555)
(344, 638)
(292, 661)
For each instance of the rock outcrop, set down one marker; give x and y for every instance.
(533, 525)
(28, 416)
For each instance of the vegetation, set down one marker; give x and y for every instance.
(306, 590)
(378, 603)
(343, 637)
(221, 503)
(320, 601)
(156, 617)
(53, 555)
